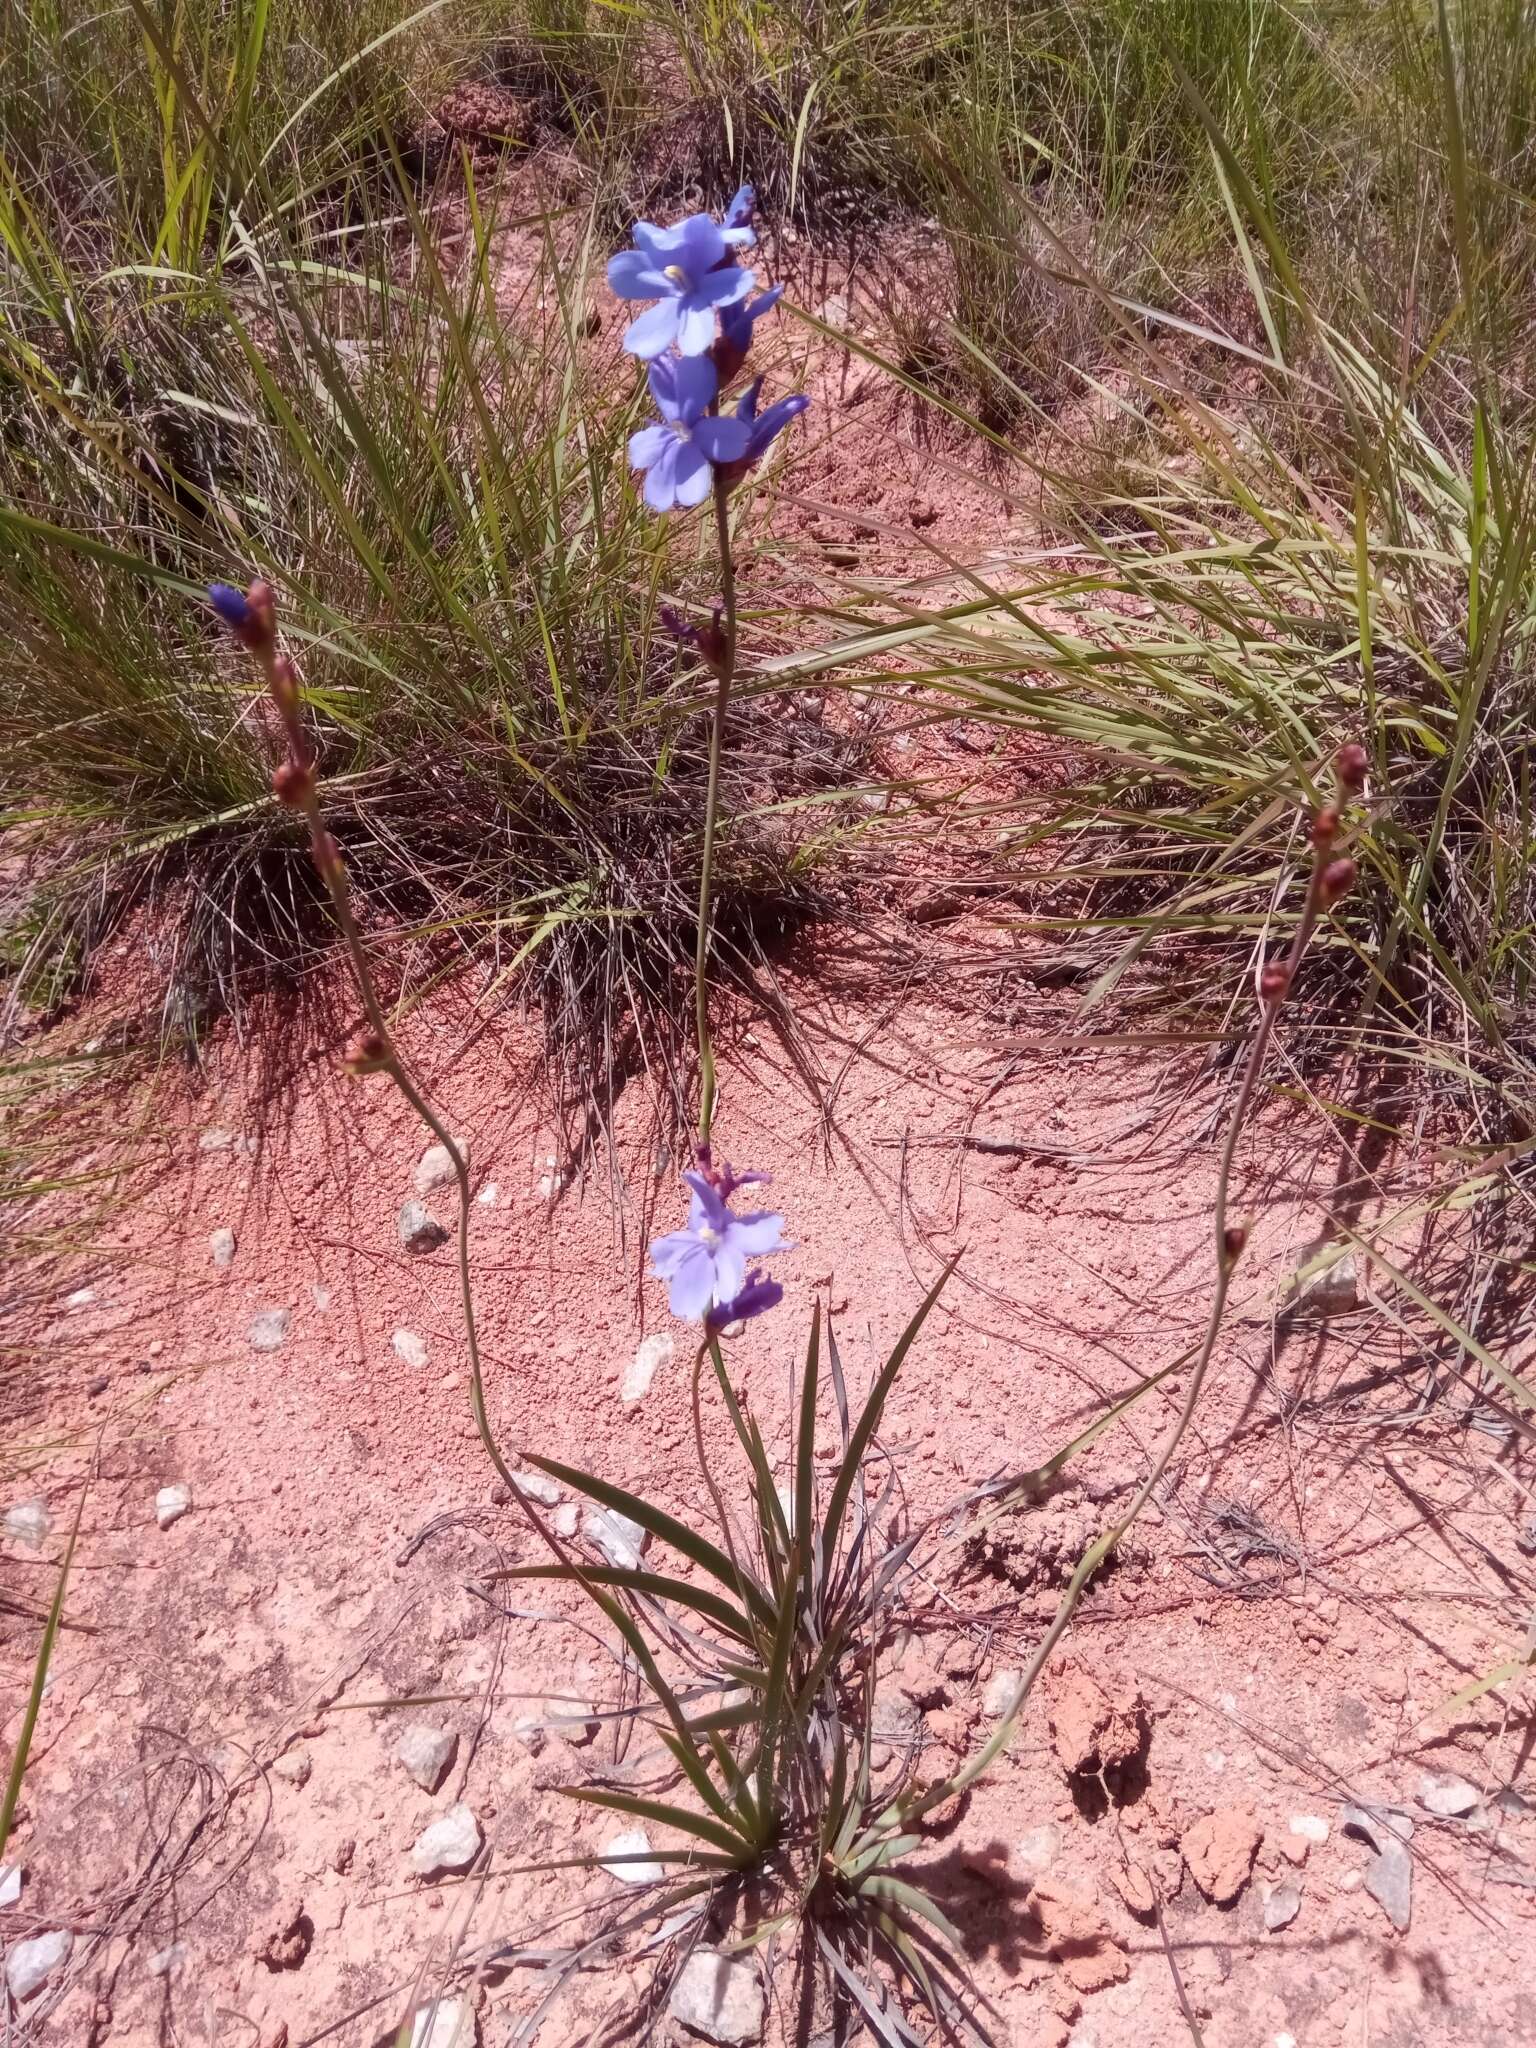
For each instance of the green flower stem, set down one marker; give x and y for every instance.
(333, 872)
(726, 672)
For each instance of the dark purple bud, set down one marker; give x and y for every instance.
(755, 1299)
(251, 616)
(741, 209)
(729, 349)
(230, 605)
(709, 641)
(766, 428)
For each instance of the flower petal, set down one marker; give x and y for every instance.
(693, 1285)
(660, 491)
(695, 382)
(668, 1253)
(700, 244)
(730, 1263)
(768, 425)
(633, 275)
(692, 472)
(695, 326)
(649, 444)
(760, 1233)
(723, 287)
(708, 1205)
(662, 375)
(654, 331)
(655, 241)
(722, 438)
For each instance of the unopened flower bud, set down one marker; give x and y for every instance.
(1336, 880)
(292, 784)
(1325, 826)
(1233, 1240)
(367, 1054)
(1274, 982)
(1352, 764)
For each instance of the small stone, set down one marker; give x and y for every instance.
(451, 1842)
(268, 1328)
(834, 310)
(1294, 1848)
(572, 1718)
(636, 1843)
(1219, 1850)
(426, 1753)
(409, 1348)
(1034, 1852)
(651, 1354)
(1389, 1875)
(1001, 1687)
(346, 1849)
(29, 1964)
(1333, 1290)
(566, 1519)
(1282, 1903)
(98, 1386)
(489, 1195)
(221, 1248)
(435, 1168)
(1311, 1826)
(29, 1522)
(171, 1503)
(1450, 1797)
(321, 1297)
(718, 1996)
(537, 1486)
(530, 1732)
(165, 1962)
(215, 1140)
(621, 1540)
(419, 1230)
(445, 2023)
(81, 1298)
(922, 513)
(10, 1883)
(295, 1765)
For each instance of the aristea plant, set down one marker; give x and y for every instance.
(696, 338)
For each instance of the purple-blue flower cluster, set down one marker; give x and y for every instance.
(695, 336)
(706, 1264)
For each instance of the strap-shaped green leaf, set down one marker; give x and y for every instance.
(655, 1585)
(666, 1528)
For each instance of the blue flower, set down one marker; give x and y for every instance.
(676, 451)
(705, 1263)
(689, 271)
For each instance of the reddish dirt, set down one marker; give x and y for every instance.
(1293, 1617)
